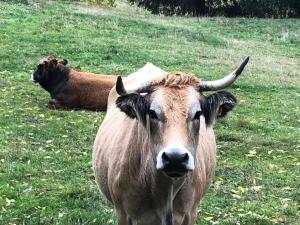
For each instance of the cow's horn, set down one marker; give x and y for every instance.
(141, 88)
(120, 87)
(225, 81)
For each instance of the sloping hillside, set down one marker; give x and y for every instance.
(45, 156)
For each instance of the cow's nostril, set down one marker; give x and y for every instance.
(185, 157)
(165, 157)
(175, 161)
(174, 158)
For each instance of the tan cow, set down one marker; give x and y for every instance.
(70, 89)
(155, 153)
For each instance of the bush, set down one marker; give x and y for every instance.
(251, 8)
(254, 8)
(270, 8)
(100, 2)
(173, 7)
(16, 1)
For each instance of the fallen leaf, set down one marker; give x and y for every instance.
(273, 167)
(256, 188)
(280, 218)
(241, 189)
(288, 188)
(236, 196)
(252, 153)
(9, 201)
(209, 218)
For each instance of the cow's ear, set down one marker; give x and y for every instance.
(64, 62)
(53, 62)
(217, 105)
(134, 106)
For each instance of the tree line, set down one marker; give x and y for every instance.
(231, 8)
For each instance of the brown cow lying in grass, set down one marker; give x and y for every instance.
(70, 89)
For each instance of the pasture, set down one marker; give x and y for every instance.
(46, 172)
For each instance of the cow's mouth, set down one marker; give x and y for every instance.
(33, 79)
(175, 174)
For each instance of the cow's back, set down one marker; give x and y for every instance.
(89, 90)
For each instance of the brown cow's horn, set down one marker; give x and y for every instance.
(224, 82)
(120, 87)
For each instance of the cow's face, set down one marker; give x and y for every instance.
(46, 68)
(174, 116)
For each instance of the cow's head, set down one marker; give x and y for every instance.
(173, 109)
(49, 71)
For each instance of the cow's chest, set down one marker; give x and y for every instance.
(152, 207)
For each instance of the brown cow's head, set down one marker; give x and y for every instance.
(173, 110)
(50, 72)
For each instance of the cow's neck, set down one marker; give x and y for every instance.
(165, 189)
(162, 188)
(55, 80)
(166, 186)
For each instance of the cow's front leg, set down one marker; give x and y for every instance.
(192, 216)
(179, 218)
(185, 219)
(122, 218)
(55, 104)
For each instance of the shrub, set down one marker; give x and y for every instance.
(173, 7)
(100, 2)
(270, 8)
(16, 1)
(254, 8)
(251, 8)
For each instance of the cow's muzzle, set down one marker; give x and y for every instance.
(32, 78)
(174, 162)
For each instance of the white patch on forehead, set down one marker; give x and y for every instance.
(157, 100)
(193, 101)
(195, 106)
(190, 104)
(193, 97)
(155, 106)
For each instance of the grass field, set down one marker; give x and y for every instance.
(45, 156)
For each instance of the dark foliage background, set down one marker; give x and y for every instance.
(249, 8)
(15, 1)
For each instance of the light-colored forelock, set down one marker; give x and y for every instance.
(178, 80)
(46, 59)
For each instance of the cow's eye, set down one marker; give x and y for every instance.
(153, 114)
(197, 115)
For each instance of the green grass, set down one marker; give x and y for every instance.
(45, 156)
